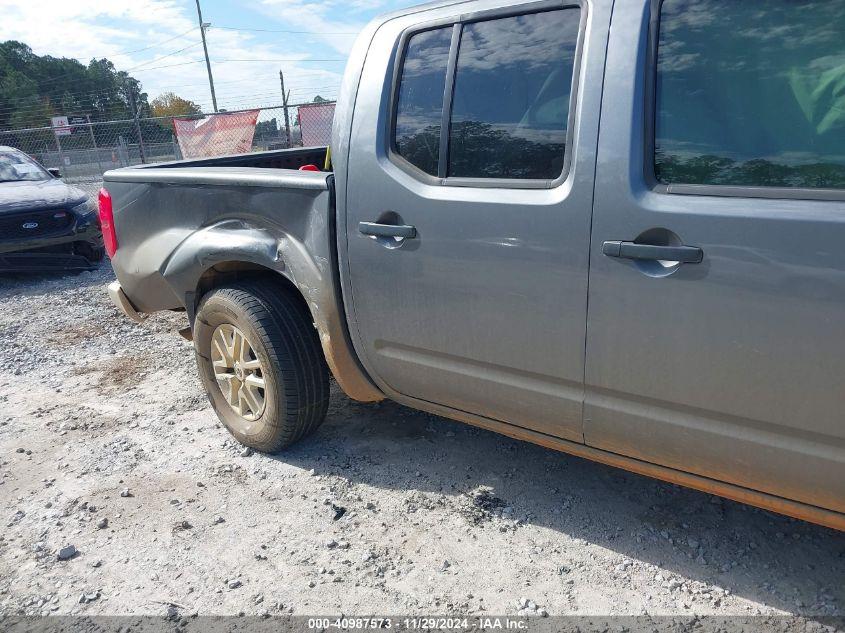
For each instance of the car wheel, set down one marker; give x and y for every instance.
(261, 363)
(94, 254)
(97, 254)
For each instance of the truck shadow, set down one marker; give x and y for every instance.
(783, 563)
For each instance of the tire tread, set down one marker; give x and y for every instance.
(292, 344)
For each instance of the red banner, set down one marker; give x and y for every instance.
(216, 135)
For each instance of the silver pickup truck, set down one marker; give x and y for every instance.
(614, 229)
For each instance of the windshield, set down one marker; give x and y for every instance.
(16, 166)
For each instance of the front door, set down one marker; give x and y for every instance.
(467, 233)
(716, 337)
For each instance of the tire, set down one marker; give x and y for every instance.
(97, 254)
(94, 254)
(279, 330)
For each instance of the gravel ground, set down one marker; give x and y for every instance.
(122, 494)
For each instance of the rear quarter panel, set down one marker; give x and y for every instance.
(173, 225)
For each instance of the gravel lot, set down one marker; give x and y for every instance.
(111, 458)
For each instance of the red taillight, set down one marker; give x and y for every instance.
(309, 167)
(107, 223)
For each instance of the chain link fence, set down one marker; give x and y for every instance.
(83, 151)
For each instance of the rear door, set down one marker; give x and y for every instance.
(468, 208)
(716, 333)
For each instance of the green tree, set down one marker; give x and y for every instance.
(34, 88)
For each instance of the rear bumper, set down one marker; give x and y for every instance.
(123, 303)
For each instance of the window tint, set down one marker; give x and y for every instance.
(511, 96)
(420, 102)
(751, 93)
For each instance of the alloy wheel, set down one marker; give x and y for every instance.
(238, 371)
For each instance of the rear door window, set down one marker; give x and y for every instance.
(751, 93)
(420, 101)
(511, 96)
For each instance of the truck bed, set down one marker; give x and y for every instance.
(166, 213)
(292, 158)
(216, 220)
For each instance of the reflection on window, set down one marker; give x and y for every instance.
(16, 166)
(751, 93)
(511, 99)
(420, 103)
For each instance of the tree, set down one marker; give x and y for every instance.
(34, 88)
(267, 129)
(170, 105)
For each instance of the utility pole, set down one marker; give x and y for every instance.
(285, 107)
(203, 26)
(137, 122)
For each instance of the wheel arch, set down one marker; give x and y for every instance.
(232, 271)
(219, 255)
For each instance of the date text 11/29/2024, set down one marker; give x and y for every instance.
(419, 623)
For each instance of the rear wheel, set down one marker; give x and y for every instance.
(261, 364)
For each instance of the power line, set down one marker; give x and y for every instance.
(224, 61)
(55, 94)
(138, 50)
(233, 100)
(265, 109)
(40, 82)
(250, 103)
(234, 28)
(295, 60)
(53, 97)
(257, 79)
(157, 59)
(196, 61)
(304, 89)
(27, 104)
(142, 67)
(244, 98)
(59, 93)
(151, 61)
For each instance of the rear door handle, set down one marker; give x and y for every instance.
(387, 230)
(633, 250)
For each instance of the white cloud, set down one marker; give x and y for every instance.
(319, 18)
(86, 29)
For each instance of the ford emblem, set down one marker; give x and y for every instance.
(29, 225)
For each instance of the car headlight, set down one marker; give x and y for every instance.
(84, 208)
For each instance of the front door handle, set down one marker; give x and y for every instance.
(387, 230)
(633, 250)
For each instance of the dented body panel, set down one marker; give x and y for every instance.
(177, 226)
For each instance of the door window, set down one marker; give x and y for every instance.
(511, 96)
(420, 101)
(751, 93)
(508, 96)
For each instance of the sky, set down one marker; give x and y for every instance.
(158, 42)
